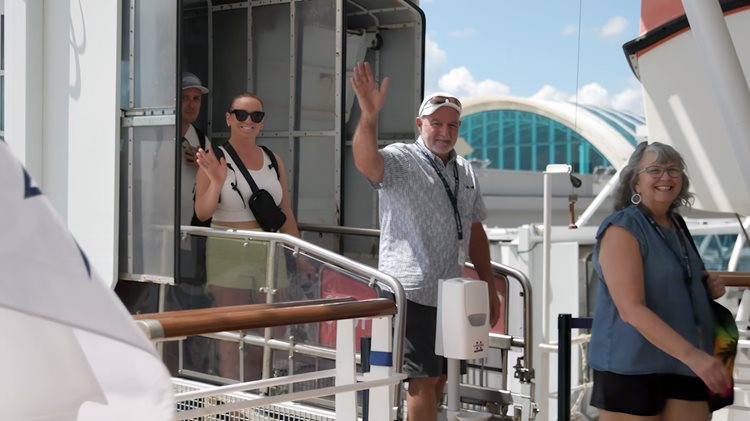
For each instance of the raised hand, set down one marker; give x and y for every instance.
(215, 169)
(370, 96)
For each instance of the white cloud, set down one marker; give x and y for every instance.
(463, 33)
(435, 59)
(569, 30)
(629, 99)
(549, 92)
(460, 82)
(435, 56)
(594, 94)
(614, 27)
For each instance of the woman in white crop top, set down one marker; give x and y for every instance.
(236, 271)
(215, 178)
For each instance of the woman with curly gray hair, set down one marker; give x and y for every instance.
(652, 337)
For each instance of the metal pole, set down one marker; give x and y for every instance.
(598, 200)
(454, 379)
(546, 247)
(365, 345)
(563, 367)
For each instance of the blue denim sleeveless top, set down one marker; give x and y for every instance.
(617, 346)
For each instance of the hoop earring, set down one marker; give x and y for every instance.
(635, 198)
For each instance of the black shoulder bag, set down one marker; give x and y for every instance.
(726, 335)
(270, 217)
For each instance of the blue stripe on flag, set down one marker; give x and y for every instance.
(85, 260)
(28, 189)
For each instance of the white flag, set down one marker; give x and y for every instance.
(69, 350)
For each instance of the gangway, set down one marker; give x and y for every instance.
(494, 385)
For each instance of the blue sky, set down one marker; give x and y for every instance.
(529, 48)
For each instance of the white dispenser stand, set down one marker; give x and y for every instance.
(463, 329)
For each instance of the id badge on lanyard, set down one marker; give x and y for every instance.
(461, 254)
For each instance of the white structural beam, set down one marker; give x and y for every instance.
(62, 113)
(24, 30)
(725, 74)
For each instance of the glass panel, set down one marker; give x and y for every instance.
(237, 274)
(271, 48)
(229, 64)
(316, 46)
(2, 42)
(509, 158)
(155, 41)
(561, 155)
(125, 54)
(315, 199)
(2, 103)
(542, 157)
(153, 202)
(525, 163)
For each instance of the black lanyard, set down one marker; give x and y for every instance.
(684, 260)
(452, 196)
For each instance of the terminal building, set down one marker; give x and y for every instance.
(513, 139)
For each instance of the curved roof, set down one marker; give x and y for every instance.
(613, 133)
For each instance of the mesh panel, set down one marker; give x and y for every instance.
(285, 411)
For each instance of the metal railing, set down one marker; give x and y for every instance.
(374, 277)
(524, 368)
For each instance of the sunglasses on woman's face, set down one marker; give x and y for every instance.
(255, 116)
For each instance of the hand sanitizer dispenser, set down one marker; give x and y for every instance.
(463, 313)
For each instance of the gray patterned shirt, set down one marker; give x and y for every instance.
(419, 239)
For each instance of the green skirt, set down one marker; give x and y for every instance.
(239, 264)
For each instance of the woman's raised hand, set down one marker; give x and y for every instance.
(215, 169)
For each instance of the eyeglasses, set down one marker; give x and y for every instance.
(255, 116)
(657, 172)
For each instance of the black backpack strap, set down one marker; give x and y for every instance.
(201, 138)
(241, 166)
(218, 153)
(272, 157)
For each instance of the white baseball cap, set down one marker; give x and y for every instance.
(434, 101)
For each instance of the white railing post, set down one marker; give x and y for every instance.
(382, 399)
(346, 369)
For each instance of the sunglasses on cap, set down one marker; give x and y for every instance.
(437, 100)
(255, 116)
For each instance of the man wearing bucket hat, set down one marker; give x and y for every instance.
(192, 139)
(190, 289)
(431, 213)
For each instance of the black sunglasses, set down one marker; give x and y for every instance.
(255, 116)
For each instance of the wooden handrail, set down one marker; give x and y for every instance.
(734, 279)
(256, 317)
(230, 309)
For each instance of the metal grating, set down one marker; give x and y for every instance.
(284, 411)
